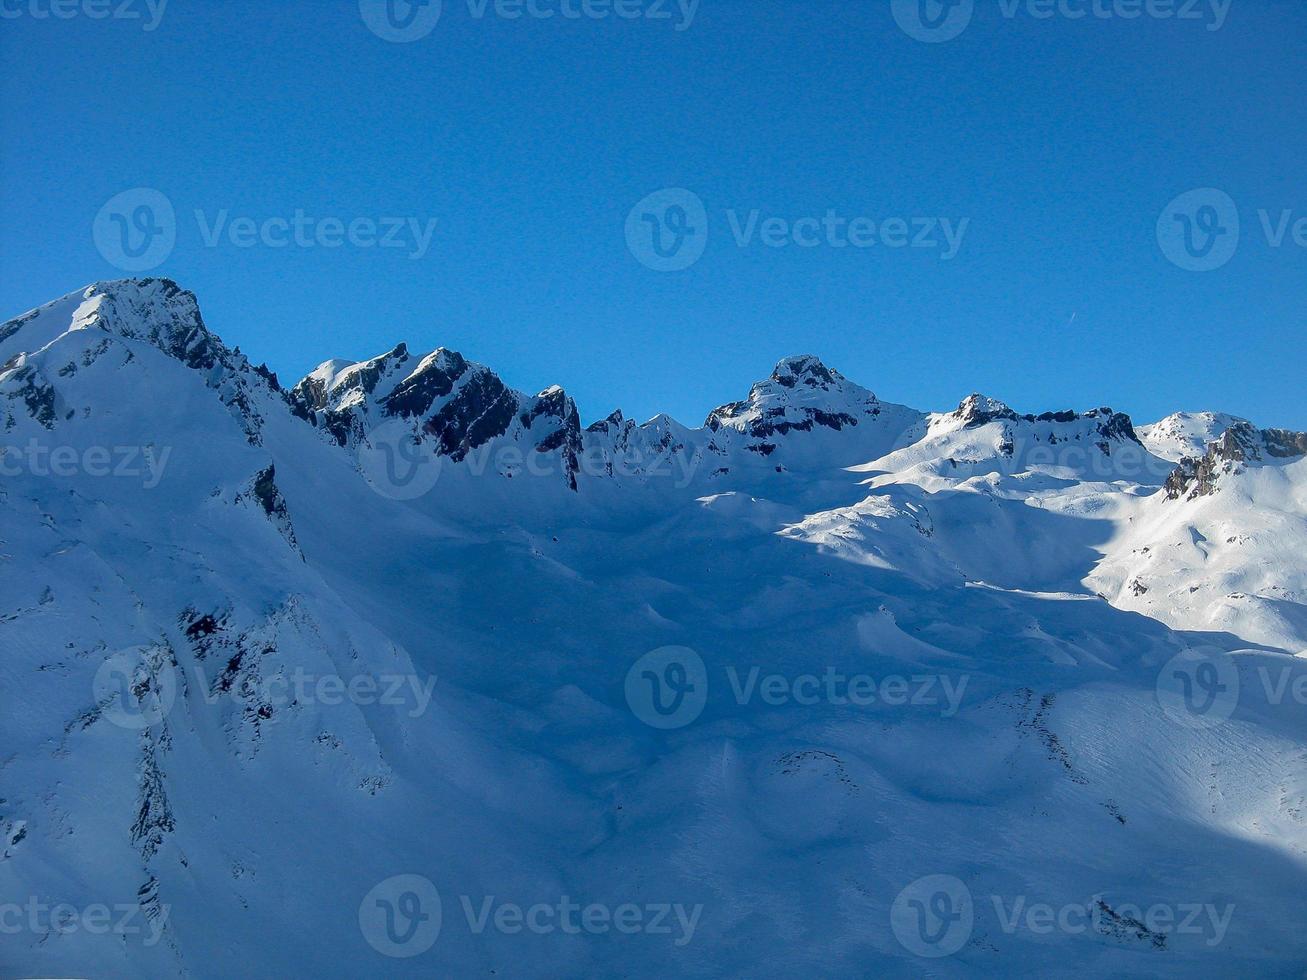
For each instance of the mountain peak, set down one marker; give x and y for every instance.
(804, 369)
(977, 409)
(1184, 434)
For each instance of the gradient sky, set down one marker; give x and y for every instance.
(1061, 141)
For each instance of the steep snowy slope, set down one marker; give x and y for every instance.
(1023, 501)
(820, 688)
(1185, 433)
(1222, 547)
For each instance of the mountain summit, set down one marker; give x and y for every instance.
(397, 639)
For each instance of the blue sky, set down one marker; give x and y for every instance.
(1054, 144)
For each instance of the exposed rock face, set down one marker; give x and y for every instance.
(296, 693)
(26, 383)
(1284, 444)
(1241, 443)
(1185, 433)
(800, 394)
(264, 490)
(1062, 438)
(154, 311)
(434, 378)
(977, 410)
(484, 408)
(454, 407)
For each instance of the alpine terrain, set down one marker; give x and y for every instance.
(395, 670)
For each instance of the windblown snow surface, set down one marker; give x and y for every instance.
(399, 671)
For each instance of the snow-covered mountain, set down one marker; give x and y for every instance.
(400, 671)
(1185, 433)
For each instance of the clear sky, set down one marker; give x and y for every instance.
(1060, 141)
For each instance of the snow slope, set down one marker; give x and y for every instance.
(288, 644)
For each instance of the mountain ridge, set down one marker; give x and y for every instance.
(918, 644)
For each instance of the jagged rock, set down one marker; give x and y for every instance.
(264, 490)
(977, 409)
(1241, 443)
(434, 378)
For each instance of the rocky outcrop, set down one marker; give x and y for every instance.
(802, 393)
(1239, 445)
(448, 404)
